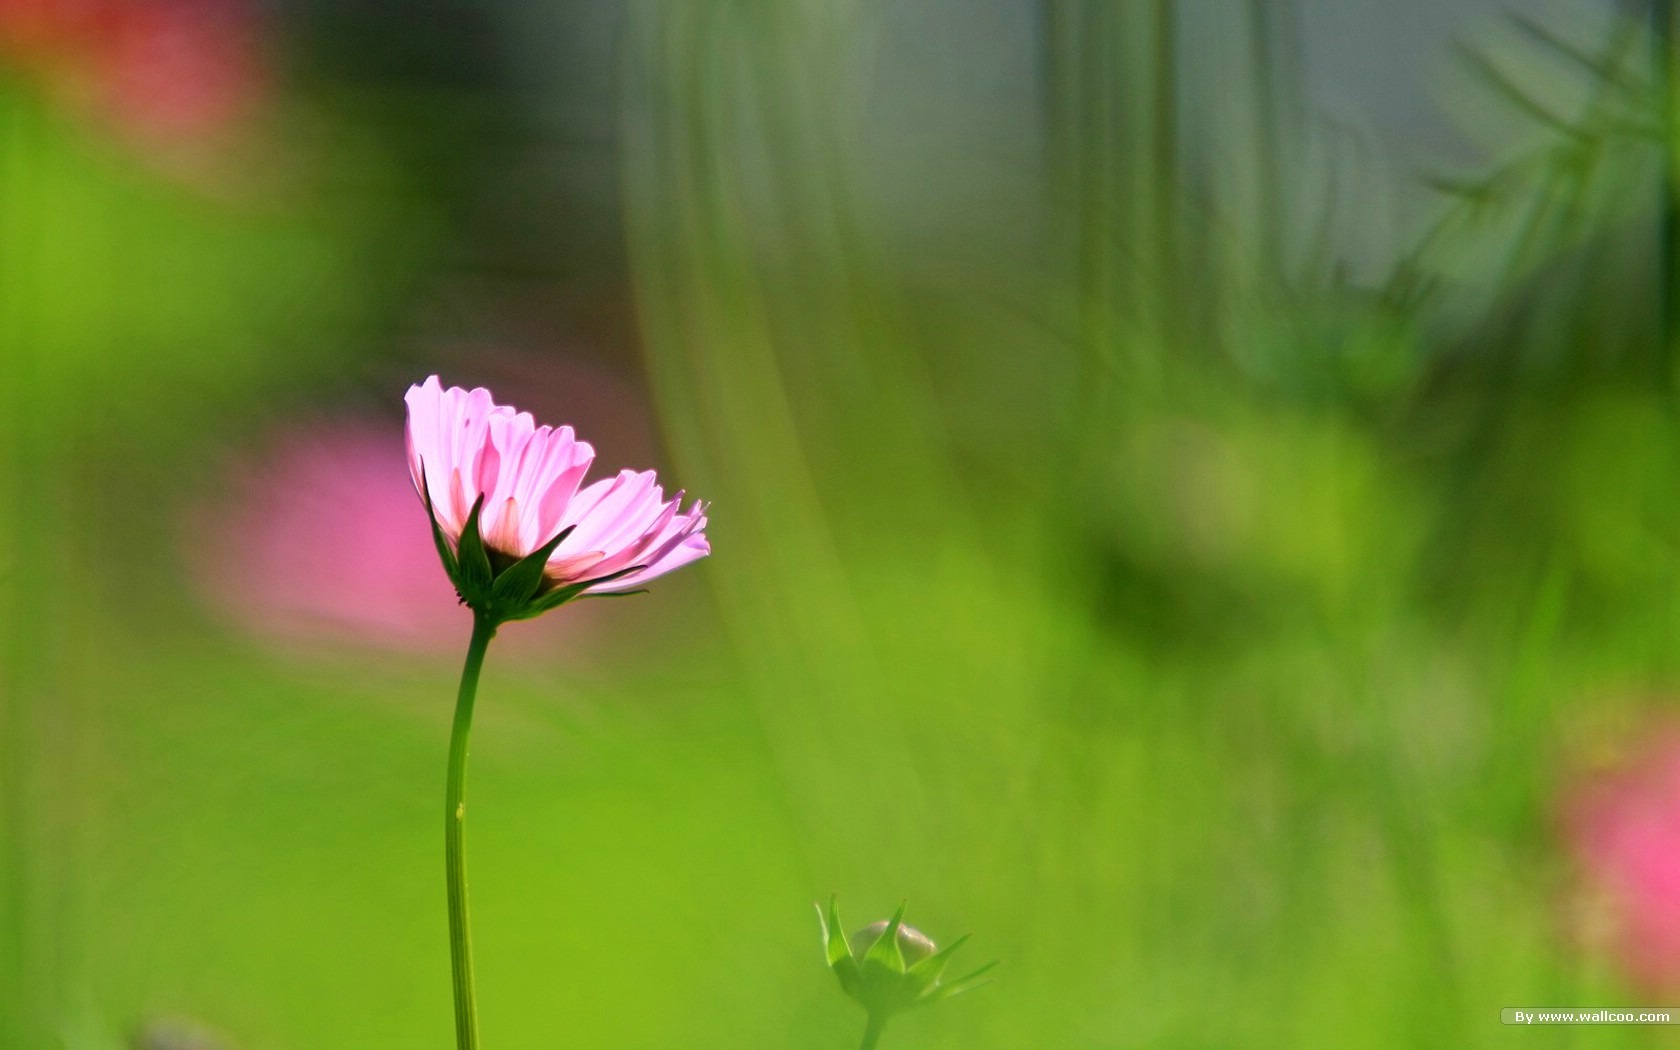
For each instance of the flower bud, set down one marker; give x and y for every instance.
(888, 967)
(913, 944)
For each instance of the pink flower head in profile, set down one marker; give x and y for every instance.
(517, 530)
(1623, 827)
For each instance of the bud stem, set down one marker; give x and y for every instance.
(872, 1034)
(455, 815)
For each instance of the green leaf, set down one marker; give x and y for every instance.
(1607, 68)
(518, 584)
(1507, 88)
(443, 548)
(885, 950)
(475, 562)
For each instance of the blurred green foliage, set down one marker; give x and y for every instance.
(1208, 631)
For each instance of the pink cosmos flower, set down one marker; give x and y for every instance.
(1623, 827)
(518, 535)
(466, 452)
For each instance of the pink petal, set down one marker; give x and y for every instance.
(598, 518)
(689, 548)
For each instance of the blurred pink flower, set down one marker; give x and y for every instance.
(317, 541)
(165, 70)
(182, 69)
(463, 446)
(1622, 826)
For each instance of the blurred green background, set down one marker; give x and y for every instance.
(1194, 485)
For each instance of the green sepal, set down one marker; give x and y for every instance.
(967, 982)
(542, 603)
(834, 935)
(851, 981)
(885, 950)
(473, 579)
(445, 552)
(838, 952)
(578, 588)
(927, 971)
(561, 595)
(519, 582)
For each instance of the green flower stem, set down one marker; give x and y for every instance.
(872, 1034)
(455, 816)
